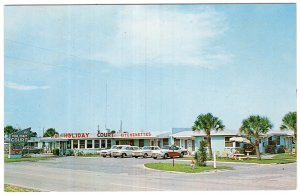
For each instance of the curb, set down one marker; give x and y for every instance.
(204, 172)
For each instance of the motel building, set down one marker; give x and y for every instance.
(90, 143)
(220, 141)
(93, 142)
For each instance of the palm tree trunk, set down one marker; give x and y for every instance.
(209, 146)
(257, 148)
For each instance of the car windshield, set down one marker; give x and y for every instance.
(145, 148)
(135, 148)
(114, 147)
(119, 147)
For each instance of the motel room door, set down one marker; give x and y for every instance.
(63, 147)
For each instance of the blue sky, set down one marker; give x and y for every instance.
(163, 65)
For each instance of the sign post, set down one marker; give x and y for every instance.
(215, 160)
(17, 141)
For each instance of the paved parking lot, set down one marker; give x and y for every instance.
(129, 174)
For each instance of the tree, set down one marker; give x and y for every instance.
(253, 127)
(207, 123)
(50, 132)
(201, 154)
(33, 134)
(9, 130)
(289, 122)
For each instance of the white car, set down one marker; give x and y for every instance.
(168, 152)
(124, 151)
(108, 152)
(145, 152)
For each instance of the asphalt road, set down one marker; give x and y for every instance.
(110, 174)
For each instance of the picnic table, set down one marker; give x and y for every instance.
(238, 156)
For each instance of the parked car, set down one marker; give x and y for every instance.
(185, 151)
(125, 151)
(108, 152)
(145, 151)
(168, 152)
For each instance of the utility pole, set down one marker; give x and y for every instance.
(121, 127)
(105, 106)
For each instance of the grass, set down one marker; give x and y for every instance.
(8, 160)
(185, 168)
(277, 159)
(262, 161)
(284, 156)
(186, 158)
(11, 188)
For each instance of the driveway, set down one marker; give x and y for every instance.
(129, 174)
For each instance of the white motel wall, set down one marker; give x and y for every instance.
(183, 137)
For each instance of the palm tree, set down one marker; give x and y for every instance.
(253, 127)
(50, 132)
(206, 123)
(289, 122)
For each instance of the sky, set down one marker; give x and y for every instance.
(155, 67)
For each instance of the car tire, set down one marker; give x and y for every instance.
(115, 157)
(145, 155)
(135, 157)
(181, 155)
(154, 157)
(123, 155)
(166, 156)
(104, 156)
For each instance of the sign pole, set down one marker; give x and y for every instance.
(215, 163)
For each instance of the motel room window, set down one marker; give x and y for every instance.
(177, 142)
(103, 143)
(108, 143)
(277, 140)
(97, 143)
(141, 143)
(237, 144)
(75, 144)
(185, 144)
(165, 141)
(82, 143)
(89, 144)
(228, 143)
(69, 144)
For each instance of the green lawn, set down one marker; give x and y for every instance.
(278, 159)
(11, 188)
(186, 168)
(8, 160)
(186, 158)
(284, 156)
(263, 161)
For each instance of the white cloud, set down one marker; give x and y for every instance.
(20, 87)
(166, 37)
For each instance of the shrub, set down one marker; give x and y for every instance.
(56, 151)
(249, 147)
(272, 143)
(270, 149)
(281, 149)
(201, 154)
(32, 151)
(70, 153)
(241, 150)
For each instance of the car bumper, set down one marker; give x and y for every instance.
(116, 154)
(137, 154)
(157, 155)
(104, 154)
